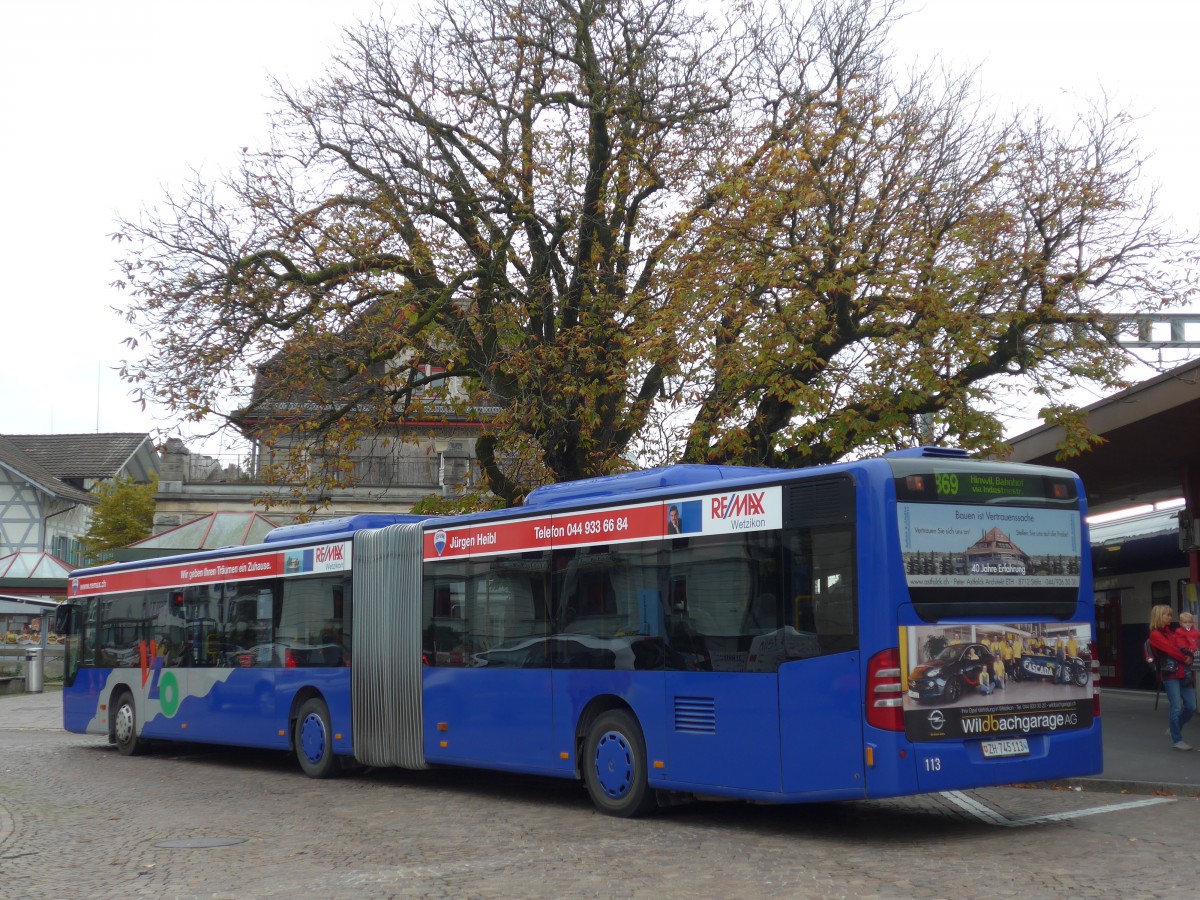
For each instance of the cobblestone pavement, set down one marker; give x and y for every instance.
(79, 820)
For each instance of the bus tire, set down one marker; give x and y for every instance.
(313, 740)
(614, 766)
(124, 725)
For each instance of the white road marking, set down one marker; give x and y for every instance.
(1079, 813)
(986, 814)
(975, 808)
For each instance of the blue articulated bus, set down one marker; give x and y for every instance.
(918, 622)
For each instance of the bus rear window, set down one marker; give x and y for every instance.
(983, 540)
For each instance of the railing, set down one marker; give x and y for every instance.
(367, 471)
(12, 660)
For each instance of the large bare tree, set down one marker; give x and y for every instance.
(605, 215)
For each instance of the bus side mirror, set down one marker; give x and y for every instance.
(64, 618)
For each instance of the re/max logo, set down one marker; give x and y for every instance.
(734, 505)
(334, 553)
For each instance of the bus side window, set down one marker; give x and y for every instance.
(248, 628)
(308, 622)
(443, 606)
(591, 606)
(762, 615)
(834, 594)
(89, 634)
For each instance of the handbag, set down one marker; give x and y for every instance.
(1169, 666)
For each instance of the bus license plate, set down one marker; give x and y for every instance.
(1010, 747)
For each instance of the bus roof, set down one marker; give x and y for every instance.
(326, 530)
(343, 525)
(647, 480)
(646, 484)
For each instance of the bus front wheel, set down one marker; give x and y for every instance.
(615, 766)
(313, 738)
(124, 726)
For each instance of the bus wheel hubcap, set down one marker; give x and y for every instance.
(124, 723)
(312, 738)
(614, 764)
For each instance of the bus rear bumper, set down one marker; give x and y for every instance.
(961, 765)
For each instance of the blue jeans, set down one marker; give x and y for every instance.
(1183, 706)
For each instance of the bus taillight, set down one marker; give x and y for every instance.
(885, 704)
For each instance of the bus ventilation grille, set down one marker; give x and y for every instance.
(696, 715)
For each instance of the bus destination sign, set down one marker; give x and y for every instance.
(970, 486)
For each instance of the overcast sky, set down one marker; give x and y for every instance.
(103, 105)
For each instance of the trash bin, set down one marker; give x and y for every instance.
(33, 670)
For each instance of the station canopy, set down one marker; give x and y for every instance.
(1150, 442)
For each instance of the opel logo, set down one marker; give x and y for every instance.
(936, 720)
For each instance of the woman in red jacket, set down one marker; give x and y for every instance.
(1175, 664)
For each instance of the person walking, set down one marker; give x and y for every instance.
(1175, 664)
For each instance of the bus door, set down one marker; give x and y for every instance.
(488, 660)
(234, 662)
(495, 717)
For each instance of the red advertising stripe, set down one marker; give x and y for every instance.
(609, 526)
(494, 537)
(208, 571)
(630, 523)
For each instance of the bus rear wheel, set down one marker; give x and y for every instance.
(614, 766)
(313, 739)
(124, 726)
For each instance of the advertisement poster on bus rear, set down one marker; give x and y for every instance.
(996, 681)
(956, 545)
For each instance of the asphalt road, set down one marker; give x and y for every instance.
(79, 820)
